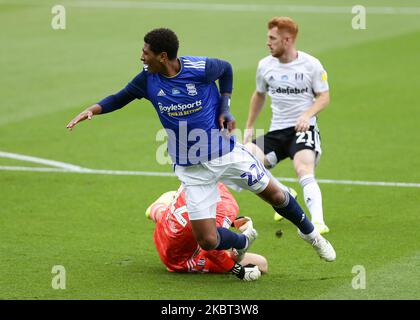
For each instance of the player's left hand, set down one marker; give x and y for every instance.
(302, 124)
(227, 121)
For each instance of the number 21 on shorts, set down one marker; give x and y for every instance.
(306, 138)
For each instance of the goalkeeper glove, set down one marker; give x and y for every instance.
(248, 273)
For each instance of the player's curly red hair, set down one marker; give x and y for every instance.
(284, 23)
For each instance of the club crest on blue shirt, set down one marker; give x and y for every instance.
(192, 91)
(175, 91)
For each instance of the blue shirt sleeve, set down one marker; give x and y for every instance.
(135, 89)
(221, 70)
(138, 86)
(116, 101)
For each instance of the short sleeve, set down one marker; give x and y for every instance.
(261, 84)
(319, 78)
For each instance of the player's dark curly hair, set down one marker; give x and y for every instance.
(163, 40)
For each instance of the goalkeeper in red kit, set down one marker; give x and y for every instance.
(178, 248)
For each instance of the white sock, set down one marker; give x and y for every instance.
(310, 236)
(313, 197)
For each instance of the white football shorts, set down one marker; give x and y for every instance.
(238, 168)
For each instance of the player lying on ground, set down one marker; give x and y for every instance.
(180, 252)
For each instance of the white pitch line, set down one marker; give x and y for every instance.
(168, 174)
(33, 169)
(226, 7)
(47, 162)
(70, 168)
(88, 171)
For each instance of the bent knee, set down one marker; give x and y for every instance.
(303, 168)
(303, 172)
(278, 198)
(208, 242)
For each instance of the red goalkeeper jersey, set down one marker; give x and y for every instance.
(176, 244)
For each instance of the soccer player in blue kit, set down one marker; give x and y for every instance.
(196, 115)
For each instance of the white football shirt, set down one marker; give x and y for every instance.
(291, 87)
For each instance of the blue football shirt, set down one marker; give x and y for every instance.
(188, 107)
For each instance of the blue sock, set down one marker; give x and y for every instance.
(228, 239)
(292, 211)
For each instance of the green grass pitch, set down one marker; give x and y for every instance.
(94, 224)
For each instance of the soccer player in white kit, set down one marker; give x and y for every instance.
(297, 84)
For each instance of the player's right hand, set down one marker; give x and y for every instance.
(252, 273)
(82, 116)
(227, 121)
(248, 135)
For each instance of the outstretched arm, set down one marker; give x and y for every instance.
(109, 104)
(87, 114)
(255, 259)
(136, 88)
(223, 262)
